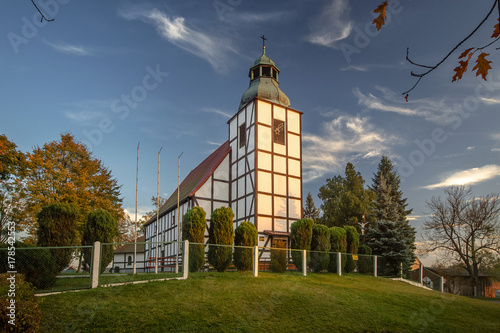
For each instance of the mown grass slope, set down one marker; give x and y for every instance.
(236, 302)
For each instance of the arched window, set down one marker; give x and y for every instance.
(129, 260)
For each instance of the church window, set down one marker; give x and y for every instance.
(129, 260)
(266, 71)
(243, 135)
(279, 131)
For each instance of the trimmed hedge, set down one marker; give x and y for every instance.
(300, 238)
(338, 241)
(221, 232)
(27, 313)
(320, 246)
(37, 265)
(244, 235)
(352, 247)
(58, 226)
(194, 224)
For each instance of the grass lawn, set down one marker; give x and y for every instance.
(238, 302)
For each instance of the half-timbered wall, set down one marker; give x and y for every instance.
(242, 143)
(266, 184)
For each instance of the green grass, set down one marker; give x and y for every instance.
(237, 302)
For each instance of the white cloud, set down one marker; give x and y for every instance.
(87, 112)
(340, 140)
(490, 101)
(259, 17)
(218, 111)
(332, 26)
(70, 49)
(355, 68)
(217, 50)
(468, 177)
(495, 149)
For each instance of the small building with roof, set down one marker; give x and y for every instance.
(123, 257)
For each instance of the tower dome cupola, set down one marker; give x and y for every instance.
(264, 81)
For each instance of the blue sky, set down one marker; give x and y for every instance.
(170, 74)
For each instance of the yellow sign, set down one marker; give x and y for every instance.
(354, 257)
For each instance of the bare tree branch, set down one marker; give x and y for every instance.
(43, 16)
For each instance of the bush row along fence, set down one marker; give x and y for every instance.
(42, 268)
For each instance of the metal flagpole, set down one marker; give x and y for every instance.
(157, 212)
(178, 212)
(136, 195)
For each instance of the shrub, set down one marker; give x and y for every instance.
(338, 242)
(320, 246)
(244, 235)
(27, 313)
(221, 232)
(300, 238)
(58, 226)
(194, 224)
(352, 247)
(37, 264)
(101, 226)
(279, 262)
(365, 260)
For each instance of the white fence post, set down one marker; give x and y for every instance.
(375, 264)
(255, 261)
(185, 260)
(96, 264)
(441, 284)
(339, 264)
(304, 262)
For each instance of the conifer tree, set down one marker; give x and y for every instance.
(390, 236)
(311, 212)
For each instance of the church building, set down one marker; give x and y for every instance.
(257, 172)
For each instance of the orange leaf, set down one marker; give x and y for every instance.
(482, 65)
(496, 32)
(465, 53)
(462, 68)
(406, 98)
(379, 21)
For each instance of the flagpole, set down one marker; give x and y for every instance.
(136, 197)
(157, 212)
(178, 213)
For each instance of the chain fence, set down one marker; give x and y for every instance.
(52, 269)
(48, 268)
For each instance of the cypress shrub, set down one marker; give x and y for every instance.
(193, 229)
(338, 241)
(58, 226)
(352, 247)
(279, 262)
(37, 265)
(221, 232)
(244, 235)
(365, 260)
(100, 226)
(300, 238)
(320, 246)
(27, 313)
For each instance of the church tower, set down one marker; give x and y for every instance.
(266, 156)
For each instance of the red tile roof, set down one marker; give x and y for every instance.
(195, 179)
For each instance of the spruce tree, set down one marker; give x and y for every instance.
(311, 212)
(390, 236)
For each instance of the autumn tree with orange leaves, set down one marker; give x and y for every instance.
(482, 64)
(65, 171)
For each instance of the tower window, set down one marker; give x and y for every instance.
(279, 131)
(266, 71)
(243, 135)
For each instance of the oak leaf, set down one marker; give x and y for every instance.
(482, 65)
(379, 21)
(496, 32)
(462, 68)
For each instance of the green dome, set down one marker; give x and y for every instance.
(264, 83)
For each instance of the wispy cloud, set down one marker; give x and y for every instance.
(495, 149)
(490, 101)
(342, 139)
(332, 25)
(86, 112)
(468, 177)
(218, 111)
(69, 49)
(215, 49)
(355, 68)
(259, 17)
